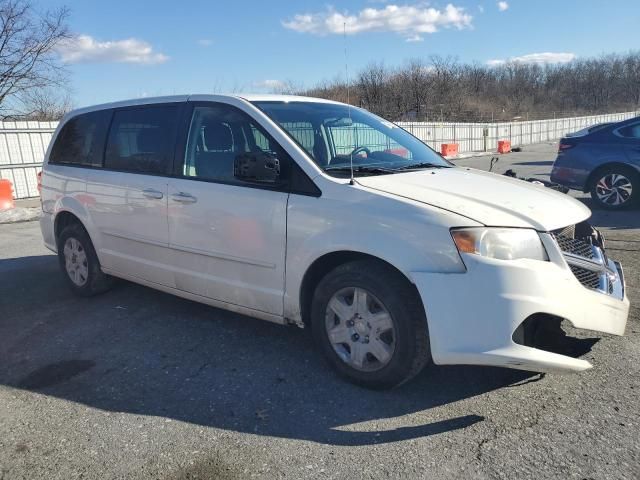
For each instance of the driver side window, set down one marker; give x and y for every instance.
(220, 134)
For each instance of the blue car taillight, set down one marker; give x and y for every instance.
(563, 147)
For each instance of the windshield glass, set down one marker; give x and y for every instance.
(334, 134)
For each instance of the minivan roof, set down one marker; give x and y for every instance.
(266, 97)
(250, 97)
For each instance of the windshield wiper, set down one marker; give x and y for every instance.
(359, 169)
(423, 165)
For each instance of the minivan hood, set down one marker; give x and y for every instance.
(488, 198)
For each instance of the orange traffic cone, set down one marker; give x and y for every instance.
(6, 194)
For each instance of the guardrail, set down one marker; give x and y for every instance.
(23, 144)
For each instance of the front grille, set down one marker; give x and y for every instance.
(569, 232)
(575, 246)
(588, 278)
(586, 260)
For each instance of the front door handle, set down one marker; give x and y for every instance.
(183, 197)
(151, 193)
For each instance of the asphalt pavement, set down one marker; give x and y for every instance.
(139, 384)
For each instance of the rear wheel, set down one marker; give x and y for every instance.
(615, 188)
(79, 262)
(370, 324)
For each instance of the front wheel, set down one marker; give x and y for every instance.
(615, 188)
(370, 324)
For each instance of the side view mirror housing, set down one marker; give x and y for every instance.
(257, 167)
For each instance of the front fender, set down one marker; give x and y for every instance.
(411, 238)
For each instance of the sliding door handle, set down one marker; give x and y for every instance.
(183, 197)
(151, 193)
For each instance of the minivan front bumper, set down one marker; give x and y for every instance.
(472, 316)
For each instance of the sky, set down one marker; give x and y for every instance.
(129, 49)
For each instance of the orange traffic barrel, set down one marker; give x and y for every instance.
(504, 146)
(6, 194)
(449, 149)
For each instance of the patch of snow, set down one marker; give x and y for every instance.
(19, 214)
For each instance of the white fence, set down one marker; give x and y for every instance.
(22, 148)
(23, 144)
(483, 137)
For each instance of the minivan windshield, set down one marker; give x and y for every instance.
(336, 135)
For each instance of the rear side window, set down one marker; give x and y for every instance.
(632, 131)
(142, 139)
(81, 140)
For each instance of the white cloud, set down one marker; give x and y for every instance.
(481, 8)
(502, 6)
(415, 38)
(407, 20)
(205, 42)
(539, 58)
(86, 49)
(271, 84)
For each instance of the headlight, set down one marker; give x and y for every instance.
(500, 243)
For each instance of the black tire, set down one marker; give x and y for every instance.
(412, 350)
(629, 174)
(96, 281)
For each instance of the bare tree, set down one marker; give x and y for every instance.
(287, 87)
(336, 89)
(418, 84)
(372, 82)
(46, 104)
(444, 88)
(631, 78)
(28, 58)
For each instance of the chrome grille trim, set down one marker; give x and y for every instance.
(587, 262)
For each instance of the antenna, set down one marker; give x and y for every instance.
(346, 72)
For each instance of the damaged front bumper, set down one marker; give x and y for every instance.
(472, 316)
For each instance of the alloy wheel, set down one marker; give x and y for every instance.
(614, 189)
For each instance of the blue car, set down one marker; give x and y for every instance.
(603, 160)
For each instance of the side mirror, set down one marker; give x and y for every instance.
(257, 167)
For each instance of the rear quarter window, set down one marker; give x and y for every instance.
(81, 140)
(630, 131)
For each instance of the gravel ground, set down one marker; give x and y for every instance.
(139, 384)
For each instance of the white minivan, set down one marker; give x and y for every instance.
(314, 213)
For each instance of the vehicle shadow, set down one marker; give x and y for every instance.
(139, 351)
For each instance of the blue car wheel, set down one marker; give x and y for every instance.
(615, 188)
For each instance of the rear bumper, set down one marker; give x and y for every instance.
(472, 316)
(48, 231)
(573, 178)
